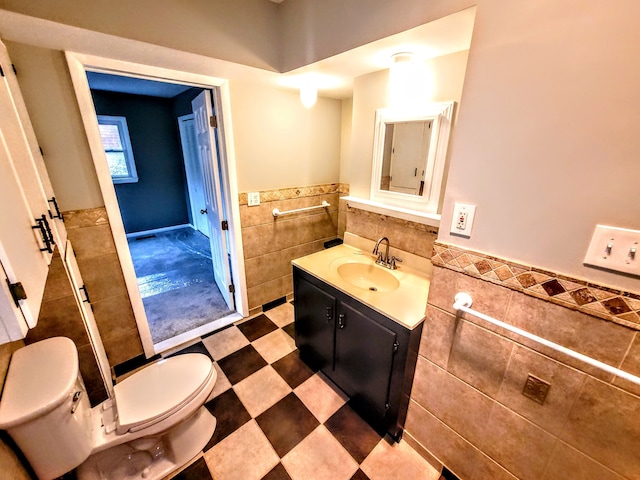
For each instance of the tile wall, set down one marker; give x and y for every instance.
(467, 408)
(409, 236)
(90, 234)
(271, 243)
(60, 316)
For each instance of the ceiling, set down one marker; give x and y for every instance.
(333, 76)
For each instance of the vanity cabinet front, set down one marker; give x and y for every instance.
(369, 356)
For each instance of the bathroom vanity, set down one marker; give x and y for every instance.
(360, 324)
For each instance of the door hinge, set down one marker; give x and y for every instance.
(1, 71)
(213, 121)
(232, 288)
(14, 69)
(17, 292)
(396, 346)
(225, 225)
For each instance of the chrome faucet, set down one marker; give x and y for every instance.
(385, 260)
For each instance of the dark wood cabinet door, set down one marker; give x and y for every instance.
(364, 357)
(315, 312)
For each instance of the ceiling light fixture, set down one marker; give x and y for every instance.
(308, 95)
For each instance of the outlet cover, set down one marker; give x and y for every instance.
(462, 220)
(253, 199)
(536, 389)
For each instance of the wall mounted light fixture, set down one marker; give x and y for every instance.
(409, 84)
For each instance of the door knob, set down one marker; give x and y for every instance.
(203, 211)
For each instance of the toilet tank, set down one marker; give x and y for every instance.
(44, 407)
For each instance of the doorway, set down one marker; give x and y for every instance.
(220, 249)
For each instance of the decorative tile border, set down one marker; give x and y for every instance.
(607, 303)
(392, 220)
(297, 192)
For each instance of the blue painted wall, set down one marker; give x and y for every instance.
(159, 198)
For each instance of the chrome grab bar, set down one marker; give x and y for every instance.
(463, 302)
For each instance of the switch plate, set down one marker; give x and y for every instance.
(615, 248)
(462, 220)
(253, 199)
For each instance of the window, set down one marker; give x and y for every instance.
(117, 147)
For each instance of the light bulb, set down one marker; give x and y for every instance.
(308, 95)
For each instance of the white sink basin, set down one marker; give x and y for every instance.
(368, 276)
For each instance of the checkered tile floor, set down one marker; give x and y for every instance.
(278, 419)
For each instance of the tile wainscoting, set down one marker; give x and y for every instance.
(271, 243)
(467, 408)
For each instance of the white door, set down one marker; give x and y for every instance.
(193, 169)
(23, 144)
(207, 153)
(408, 160)
(21, 252)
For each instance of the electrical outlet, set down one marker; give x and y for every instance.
(462, 220)
(614, 249)
(253, 199)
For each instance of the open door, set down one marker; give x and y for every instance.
(193, 170)
(207, 153)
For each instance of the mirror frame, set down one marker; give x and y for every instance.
(441, 113)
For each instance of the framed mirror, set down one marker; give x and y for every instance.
(409, 156)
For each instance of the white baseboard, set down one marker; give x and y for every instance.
(144, 233)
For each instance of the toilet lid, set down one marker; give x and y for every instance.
(157, 390)
(41, 377)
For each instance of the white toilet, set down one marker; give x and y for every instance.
(154, 424)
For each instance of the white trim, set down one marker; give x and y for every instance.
(183, 338)
(432, 219)
(125, 139)
(153, 231)
(78, 63)
(441, 114)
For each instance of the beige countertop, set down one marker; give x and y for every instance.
(405, 304)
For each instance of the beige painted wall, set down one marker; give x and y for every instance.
(53, 109)
(243, 32)
(279, 143)
(312, 30)
(371, 92)
(546, 143)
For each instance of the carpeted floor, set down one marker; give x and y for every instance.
(175, 277)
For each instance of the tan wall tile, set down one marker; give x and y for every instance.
(602, 340)
(114, 316)
(59, 317)
(566, 461)
(488, 298)
(631, 364)
(517, 444)
(459, 406)
(437, 336)
(89, 217)
(443, 443)
(121, 348)
(479, 357)
(487, 469)
(266, 292)
(91, 375)
(58, 284)
(424, 243)
(92, 241)
(102, 276)
(262, 214)
(565, 386)
(603, 424)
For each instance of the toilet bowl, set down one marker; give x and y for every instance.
(154, 424)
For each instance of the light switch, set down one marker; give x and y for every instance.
(614, 248)
(462, 220)
(253, 199)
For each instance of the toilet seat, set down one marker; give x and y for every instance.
(160, 390)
